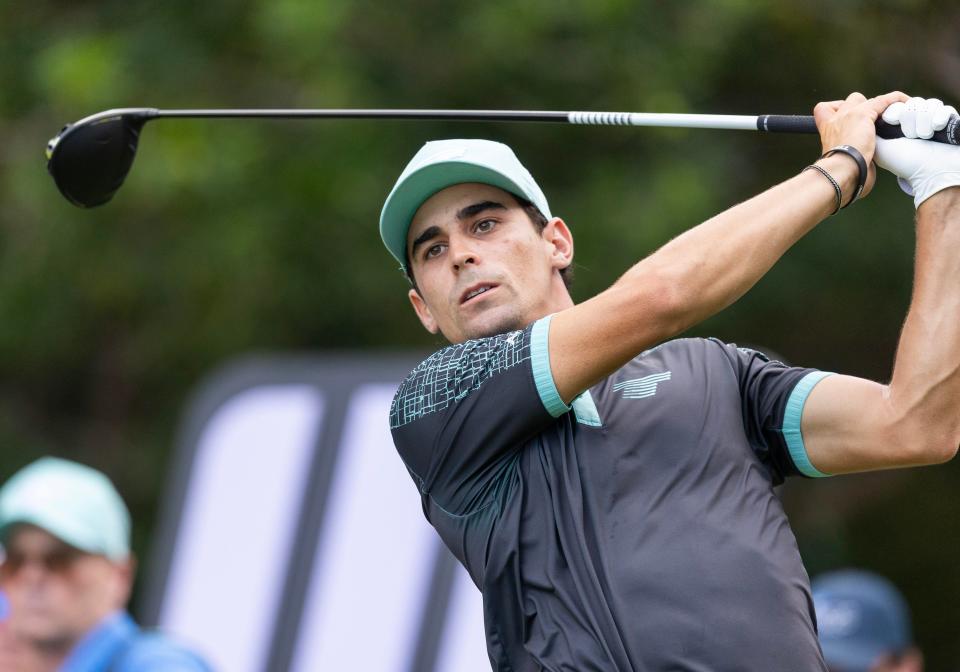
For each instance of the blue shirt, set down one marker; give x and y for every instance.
(118, 645)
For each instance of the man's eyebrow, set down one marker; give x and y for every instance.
(477, 208)
(430, 232)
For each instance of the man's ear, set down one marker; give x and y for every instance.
(422, 311)
(124, 573)
(558, 235)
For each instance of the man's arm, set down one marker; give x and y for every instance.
(709, 267)
(851, 424)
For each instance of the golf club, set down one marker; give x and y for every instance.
(90, 159)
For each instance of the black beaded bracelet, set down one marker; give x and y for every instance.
(836, 185)
(854, 154)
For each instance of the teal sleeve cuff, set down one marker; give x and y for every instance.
(542, 376)
(791, 424)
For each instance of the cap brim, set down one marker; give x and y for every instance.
(61, 529)
(407, 197)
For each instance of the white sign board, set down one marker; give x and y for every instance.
(293, 537)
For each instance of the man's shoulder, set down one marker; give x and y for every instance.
(148, 651)
(454, 371)
(488, 346)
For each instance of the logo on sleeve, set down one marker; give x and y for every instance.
(641, 388)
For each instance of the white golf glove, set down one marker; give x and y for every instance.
(922, 168)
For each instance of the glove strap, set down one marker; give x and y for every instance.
(854, 154)
(836, 185)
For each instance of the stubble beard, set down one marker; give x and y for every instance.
(512, 321)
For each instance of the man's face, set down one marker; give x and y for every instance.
(57, 593)
(910, 661)
(481, 266)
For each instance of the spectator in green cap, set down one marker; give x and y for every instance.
(67, 572)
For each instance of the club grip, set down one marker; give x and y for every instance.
(786, 123)
(950, 135)
(796, 123)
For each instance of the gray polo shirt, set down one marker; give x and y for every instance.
(637, 529)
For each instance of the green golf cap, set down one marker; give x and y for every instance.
(444, 163)
(73, 502)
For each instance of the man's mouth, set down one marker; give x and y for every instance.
(476, 290)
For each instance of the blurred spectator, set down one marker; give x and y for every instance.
(864, 624)
(67, 572)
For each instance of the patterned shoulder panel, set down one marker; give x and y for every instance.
(454, 372)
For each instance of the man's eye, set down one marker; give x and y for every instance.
(484, 225)
(433, 251)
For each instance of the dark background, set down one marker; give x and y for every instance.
(239, 236)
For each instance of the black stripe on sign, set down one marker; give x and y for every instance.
(435, 610)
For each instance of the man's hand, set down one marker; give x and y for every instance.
(918, 117)
(852, 122)
(922, 168)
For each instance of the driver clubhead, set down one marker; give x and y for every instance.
(89, 161)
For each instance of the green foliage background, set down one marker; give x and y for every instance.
(237, 236)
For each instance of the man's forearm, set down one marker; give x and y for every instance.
(925, 389)
(714, 264)
(711, 266)
(689, 279)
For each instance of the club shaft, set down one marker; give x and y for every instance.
(772, 123)
(715, 121)
(459, 115)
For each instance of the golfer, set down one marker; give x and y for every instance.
(609, 490)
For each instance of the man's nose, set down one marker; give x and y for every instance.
(462, 253)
